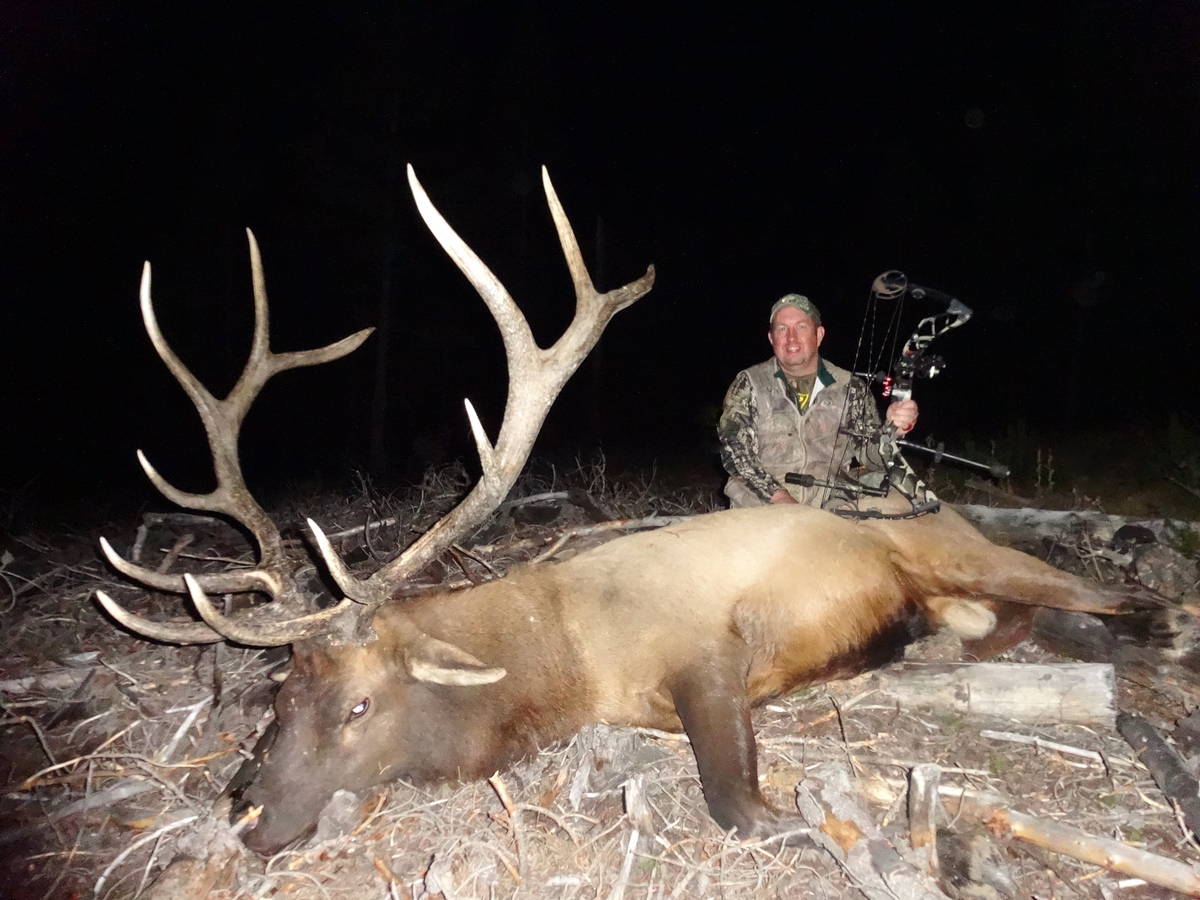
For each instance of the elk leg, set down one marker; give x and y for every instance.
(712, 704)
(1001, 573)
(945, 554)
(1020, 578)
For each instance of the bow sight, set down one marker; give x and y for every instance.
(914, 360)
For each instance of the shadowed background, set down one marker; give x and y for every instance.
(1038, 163)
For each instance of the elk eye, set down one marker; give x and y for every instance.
(361, 708)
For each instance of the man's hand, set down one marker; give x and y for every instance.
(902, 414)
(782, 496)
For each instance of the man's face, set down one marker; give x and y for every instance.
(795, 338)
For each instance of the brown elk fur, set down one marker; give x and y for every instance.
(678, 629)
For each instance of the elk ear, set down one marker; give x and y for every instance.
(428, 659)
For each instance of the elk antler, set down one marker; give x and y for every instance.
(222, 423)
(535, 378)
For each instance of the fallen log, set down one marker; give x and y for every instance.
(843, 826)
(1071, 693)
(1166, 768)
(1023, 525)
(994, 812)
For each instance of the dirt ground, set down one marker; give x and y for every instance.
(115, 750)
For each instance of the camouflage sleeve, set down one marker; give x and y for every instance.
(739, 439)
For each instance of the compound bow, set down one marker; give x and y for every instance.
(914, 361)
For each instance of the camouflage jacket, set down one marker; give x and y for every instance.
(764, 435)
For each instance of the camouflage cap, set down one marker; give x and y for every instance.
(800, 302)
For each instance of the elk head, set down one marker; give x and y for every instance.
(352, 667)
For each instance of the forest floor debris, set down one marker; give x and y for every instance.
(116, 749)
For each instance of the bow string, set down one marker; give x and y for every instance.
(912, 362)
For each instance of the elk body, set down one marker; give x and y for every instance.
(684, 628)
(681, 629)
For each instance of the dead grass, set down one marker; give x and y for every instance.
(1138, 470)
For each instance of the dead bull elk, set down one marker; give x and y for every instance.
(683, 628)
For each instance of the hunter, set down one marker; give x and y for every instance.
(799, 413)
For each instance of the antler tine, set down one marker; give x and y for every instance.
(535, 378)
(222, 421)
(223, 418)
(264, 364)
(257, 627)
(267, 631)
(216, 583)
(168, 632)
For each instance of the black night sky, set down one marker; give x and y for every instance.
(1005, 153)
